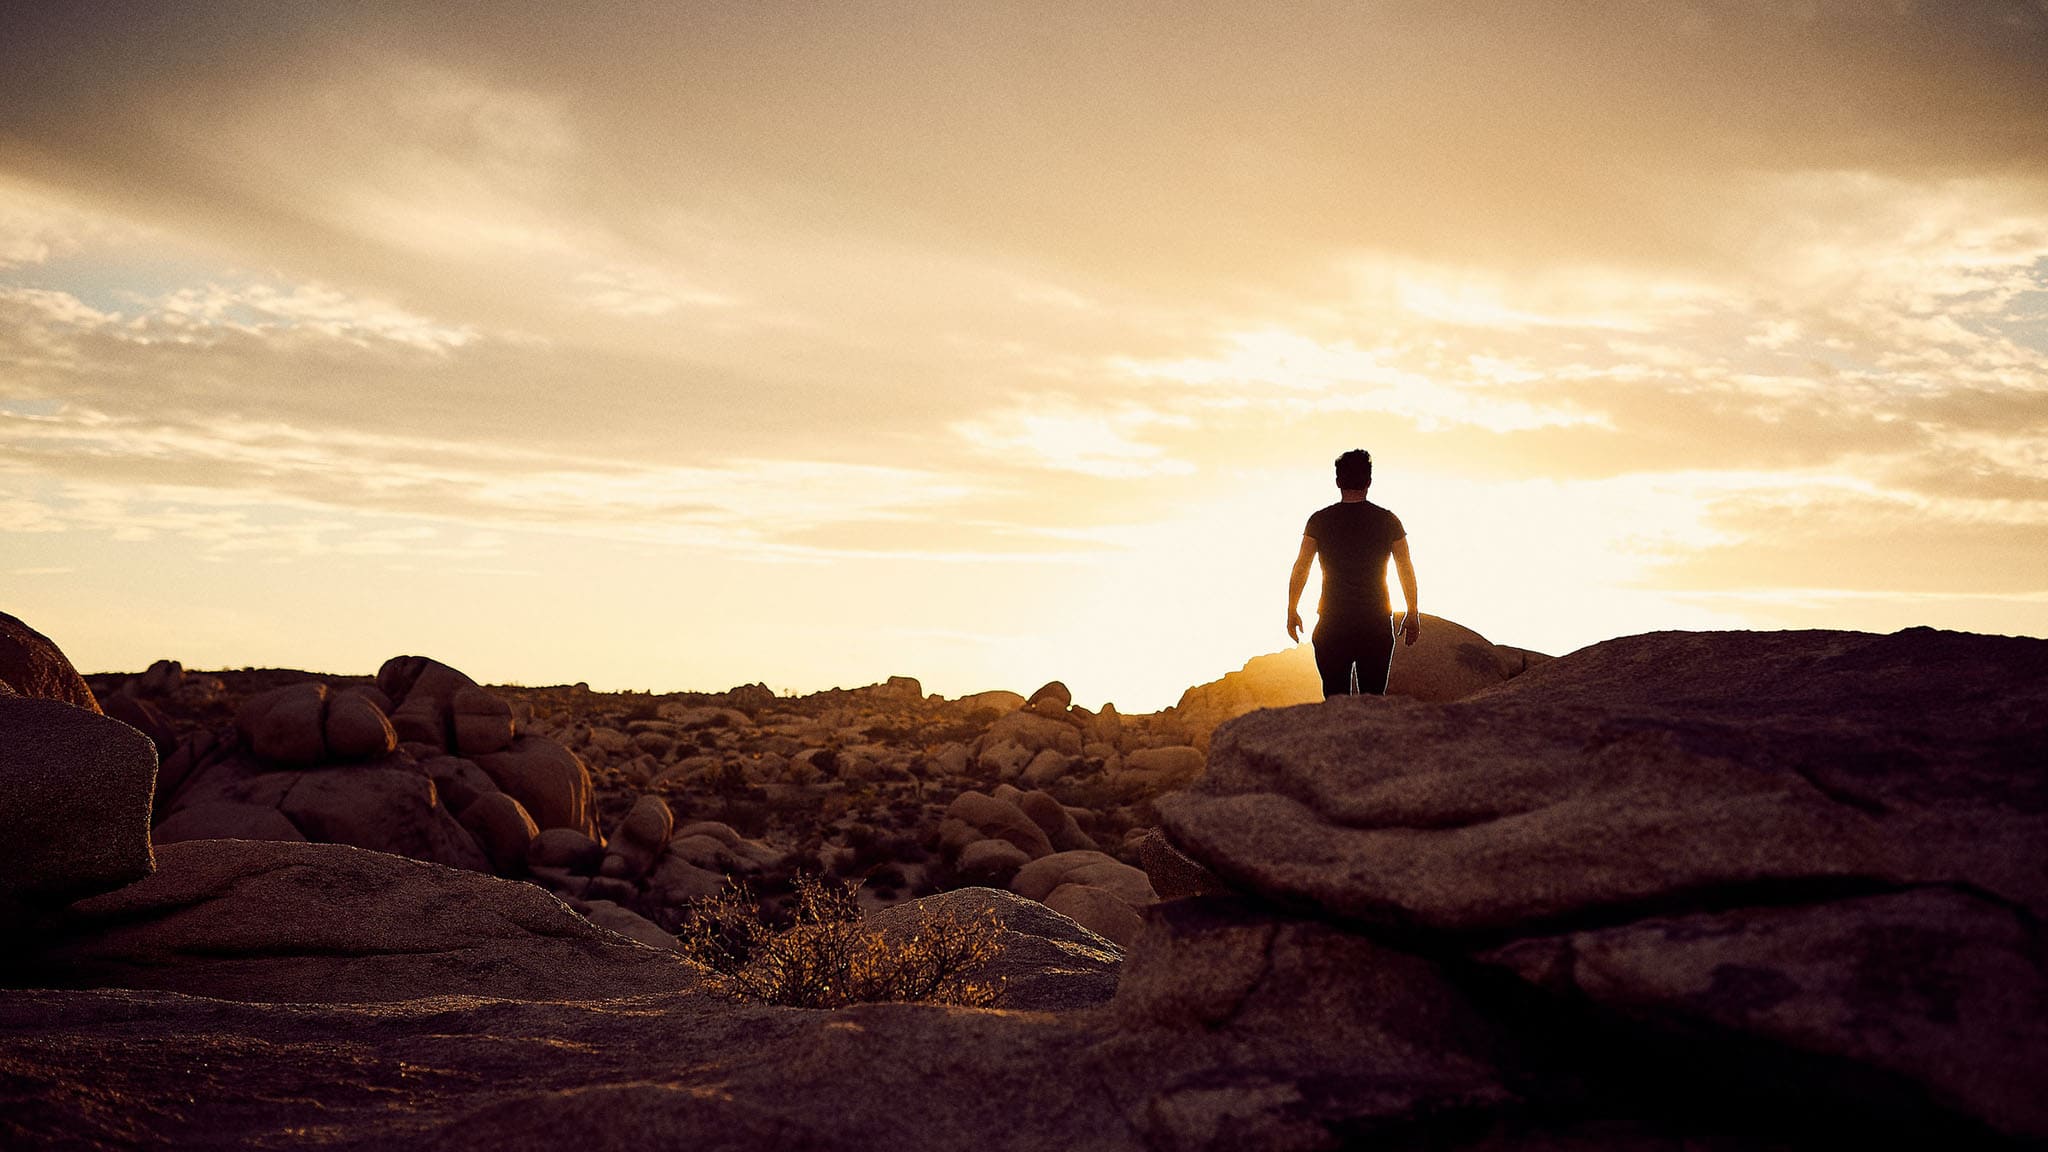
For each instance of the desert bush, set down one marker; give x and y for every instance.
(826, 958)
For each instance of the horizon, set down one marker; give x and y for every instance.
(719, 344)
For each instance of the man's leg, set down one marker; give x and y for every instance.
(1335, 653)
(1375, 649)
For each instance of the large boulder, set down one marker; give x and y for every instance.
(978, 816)
(502, 829)
(75, 792)
(1817, 853)
(481, 721)
(1034, 733)
(32, 665)
(1614, 778)
(323, 923)
(355, 728)
(548, 780)
(638, 840)
(423, 693)
(286, 725)
(385, 808)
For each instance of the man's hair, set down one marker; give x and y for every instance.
(1354, 469)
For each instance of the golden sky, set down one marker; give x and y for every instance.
(676, 345)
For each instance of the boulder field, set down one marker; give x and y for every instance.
(1699, 890)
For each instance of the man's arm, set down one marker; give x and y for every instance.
(1296, 581)
(1411, 623)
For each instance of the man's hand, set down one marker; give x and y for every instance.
(1411, 628)
(1294, 625)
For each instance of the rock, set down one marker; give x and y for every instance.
(1034, 733)
(976, 816)
(356, 729)
(676, 881)
(639, 838)
(1048, 963)
(610, 888)
(693, 719)
(1047, 767)
(1060, 827)
(1161, 769)
(1173, 873)
(564, 848)
(34, 667)
(286, 726)
(951, 759)
(482, 723)
(997, 701)
(222, 821)
(630, 924)
(1939, 988)
(1242, 1029)
(990, 863)
(611, 740)
(382, 807)
(194, 751)
(1099, 911)
(1051, 700)
(75, 791)
(502, 830)
(548, 780)
(425, 691)
(1634, 771)
(902, 688)
(1105, 727)
(145, 718)
(1004, 761)
(1038, 879)
(161, 678)
(722, 832)
(459, 782)
(325, 923)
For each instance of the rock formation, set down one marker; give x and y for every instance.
(1717, 891)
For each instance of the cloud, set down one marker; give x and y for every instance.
(1065, 435)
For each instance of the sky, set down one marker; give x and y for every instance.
(682, 345)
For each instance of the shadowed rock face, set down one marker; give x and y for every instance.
(74, 801)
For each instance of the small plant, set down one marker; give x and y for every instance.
(826, 958)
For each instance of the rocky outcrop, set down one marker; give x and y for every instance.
(75, 792)
(1815, 854)
(1717, 891)
(327, 923)
(32, 665)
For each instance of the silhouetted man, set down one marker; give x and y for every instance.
(1354, 634)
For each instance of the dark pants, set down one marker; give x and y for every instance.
(1366, 645)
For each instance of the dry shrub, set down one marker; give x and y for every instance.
(827, 959)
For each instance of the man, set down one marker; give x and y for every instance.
(1354, 634)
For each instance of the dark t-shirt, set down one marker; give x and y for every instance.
(1354, 541)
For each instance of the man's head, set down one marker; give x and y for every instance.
(1354, 470)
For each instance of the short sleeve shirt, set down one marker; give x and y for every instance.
(1354, 542)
